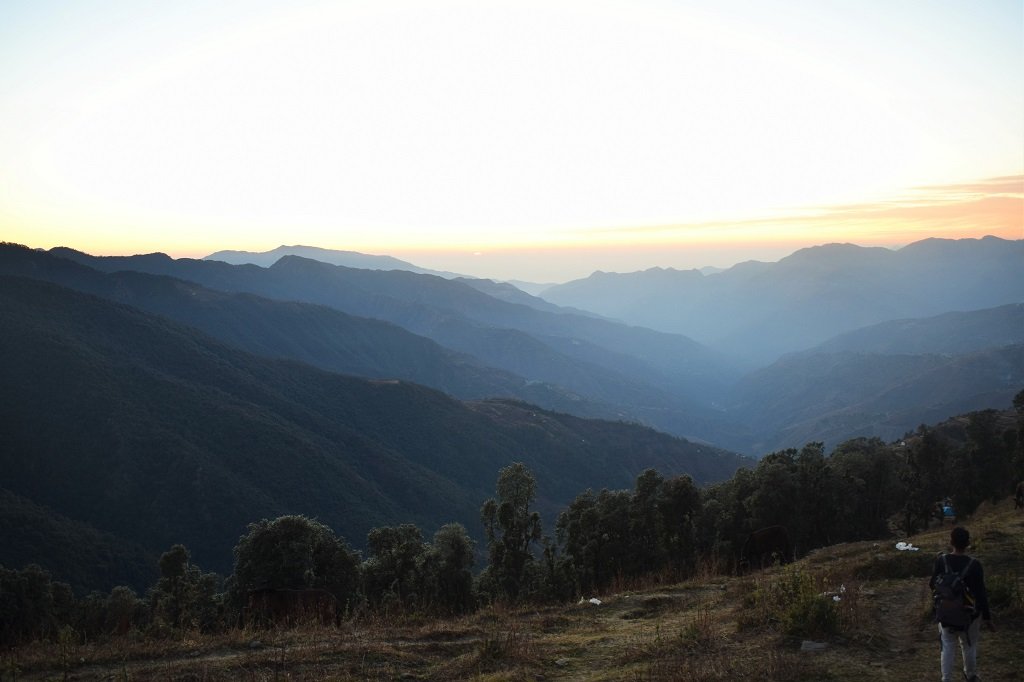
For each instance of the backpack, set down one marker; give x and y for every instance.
(954, 604)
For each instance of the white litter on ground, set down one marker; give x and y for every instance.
(906, 547)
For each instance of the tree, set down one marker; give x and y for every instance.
(725, 518)
(511, 528)
(926, 477)
(869, 475)
(1018, 466)
(183, 598)
(26, 605)
(646, 528)
(988, 461)
(294, 552)
(449, 574)
(124, 610)
(776, 492)
(679, 506)
(394, 571)
(594, 531)
(816, 518)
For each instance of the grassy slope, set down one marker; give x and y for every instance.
(703, 629)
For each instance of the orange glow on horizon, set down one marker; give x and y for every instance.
(967, 210)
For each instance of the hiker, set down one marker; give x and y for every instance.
(948, 513)
(958, 582)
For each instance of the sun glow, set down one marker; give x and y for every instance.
(457, 126)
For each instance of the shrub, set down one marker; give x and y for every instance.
(793, 601)
(1005, 595)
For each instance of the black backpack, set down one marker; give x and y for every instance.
(954, 604)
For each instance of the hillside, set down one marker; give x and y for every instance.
(425, 304)
(885, 379)
(579, 364)
(948, 334)
(665, 380)
(759, 311)
(836, 396)
(308, 333)
(155, 433)
(713, 627)
(86, 558)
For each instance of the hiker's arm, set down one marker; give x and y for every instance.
(980, 593)
(936, 570)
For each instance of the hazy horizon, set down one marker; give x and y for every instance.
(529, 140)
(572, 264)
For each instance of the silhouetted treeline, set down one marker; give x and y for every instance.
(663, 529)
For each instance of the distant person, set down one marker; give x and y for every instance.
(948, 513)
(960, 622)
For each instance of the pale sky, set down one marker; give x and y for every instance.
(522, 140)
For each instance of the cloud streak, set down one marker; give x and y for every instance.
(992, 206)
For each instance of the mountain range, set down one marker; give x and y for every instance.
(147, 432)
(757, 312)
(664, 380)
(827, 293)
(489, 339)
(351, 259)
(309, 333)
(148, 400)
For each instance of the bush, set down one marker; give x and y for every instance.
(1005, 595)
(793, 601)
(811, 615)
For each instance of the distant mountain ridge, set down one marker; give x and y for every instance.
(350, 259)
(309, 333)
(653, 377)
(760, 311)
(589, 366)
(355, 259)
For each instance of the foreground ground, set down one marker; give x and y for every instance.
(710, 628)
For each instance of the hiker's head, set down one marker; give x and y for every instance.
(960, 538)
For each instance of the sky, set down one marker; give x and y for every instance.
(524, 140)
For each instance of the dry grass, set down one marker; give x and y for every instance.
(709, 628)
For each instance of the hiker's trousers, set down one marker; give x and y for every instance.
(968, 640)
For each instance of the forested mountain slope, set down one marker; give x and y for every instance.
(665, 380)
(426, 304)
(154, 433)
(831, 397)
(309, 333)
(950, 333)
(885, 379)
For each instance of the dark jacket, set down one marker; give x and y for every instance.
(974, 580)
